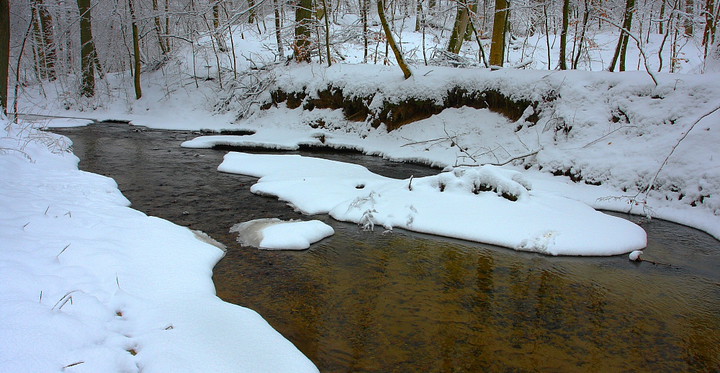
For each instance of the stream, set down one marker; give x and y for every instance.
(406, 302)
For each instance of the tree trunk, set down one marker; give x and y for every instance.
(278, 28)
(689, 17)
(251, 11)
(87, 50)
(303, 20)
(621, 47)
(391, 40)
(472, 12)
(4, 52)
(327, 32)
(586, 18)
(497, 45)
(710, 25)
(136, 49)
(418, 15)
(662, 15)
(563, 34)
(458, 32)
(158, 29)
(42, 25)
(365, 10)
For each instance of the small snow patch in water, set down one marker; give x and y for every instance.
(276, 234)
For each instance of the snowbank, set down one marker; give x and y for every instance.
(612, 129)
(88, 284)
(486, 204)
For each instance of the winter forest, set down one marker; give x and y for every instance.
(359, 185)
(77, 43)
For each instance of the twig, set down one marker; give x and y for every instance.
(65, 298)
(517, 157)
(606, 135)
(458, 145)
(62, 251)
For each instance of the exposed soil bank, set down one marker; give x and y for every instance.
(394, 113)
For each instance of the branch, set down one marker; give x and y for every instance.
(672, 150)
(639, 45)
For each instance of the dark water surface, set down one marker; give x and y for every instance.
(405, 302)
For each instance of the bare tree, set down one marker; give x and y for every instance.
(136, 49)
(45, 51)
(4, 52)
(87, 50)
(710, 25)
(461, 23)
(391, 40)
(278, 28)
(303, 23)
(497, 46)
(163, 40)
(621, 48)
(563, 34)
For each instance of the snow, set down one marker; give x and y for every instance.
(635, 255)
(486, 204)
(275, 234)
(142, 295)
(89, 284)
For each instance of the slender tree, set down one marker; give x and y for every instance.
(326, 16)
(43, 29)
(136, 49)
(4, 52)
(689, 17)
(87, 50)
(621, 48)
(563, 34)
(364, 10)
(710, 25)
(162, 37)
(251, 11)
(303, 23)
(459, 28)
(583, 30)
(497, 45)
(391, 40)
(278, 28)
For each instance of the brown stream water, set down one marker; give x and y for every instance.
(405, 302)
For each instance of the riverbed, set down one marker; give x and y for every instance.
(400, 301)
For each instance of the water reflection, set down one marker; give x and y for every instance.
(399, 301)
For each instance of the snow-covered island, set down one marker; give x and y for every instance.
(529, 155)
(487, 204)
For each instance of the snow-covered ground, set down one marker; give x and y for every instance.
(92, 285)
(88, 284)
